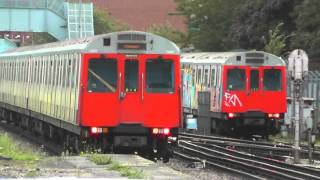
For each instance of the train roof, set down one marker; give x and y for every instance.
(234, 58)
(130, 42)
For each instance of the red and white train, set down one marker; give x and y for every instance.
(116, 90)
(234, 92)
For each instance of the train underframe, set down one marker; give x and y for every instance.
(116, 140)
(243, 126)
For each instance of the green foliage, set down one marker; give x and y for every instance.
(15, 151)
(167, 31)
(307, 19)
(100, 159)
(209, 22)
(104, 23)
(130, 172)
(276, 41)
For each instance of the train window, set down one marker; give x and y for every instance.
(159, 76)
(254, 80)
(206, 77)
(213, 76)
(199, 76)
(236, 79)
(131, 75)
(272, 79)
(102, 75)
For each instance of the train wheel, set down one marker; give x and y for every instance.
(163, 150)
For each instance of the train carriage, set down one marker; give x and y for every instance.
(119, 90)
(247, 89)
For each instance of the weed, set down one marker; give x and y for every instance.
(130, 172)
(15, 151)
(100, 159)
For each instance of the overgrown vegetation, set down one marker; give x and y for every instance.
(100, 159)
(223, 25)
(10, 149)
(130, 172)
(168, 31)
(127, 171)
(104, 23)
(276, 41)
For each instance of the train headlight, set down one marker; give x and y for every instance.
(232, 115)
(275, 115)
(166, 131)
(155, 131)
(94, 130)
(163, 131)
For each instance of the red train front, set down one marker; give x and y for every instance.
(248, 91)
(130, 96)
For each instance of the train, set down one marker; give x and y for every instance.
(112, 91)
(238, 94)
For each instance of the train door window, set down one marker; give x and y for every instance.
(199, 75)
(102, 75)
(236, 79)
(193, 75)
(206, 77)
(254, 80)
(272, 80)
(213, 76)
(159, 76)
(131, 75)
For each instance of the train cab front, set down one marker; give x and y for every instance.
(255, 92)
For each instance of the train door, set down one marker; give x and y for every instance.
(235, 80)
(100, 104)
(273, 89)
(161, 90)
(254, 92)
(131, 92)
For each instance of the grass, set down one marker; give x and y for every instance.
(10, 149)
(100, 159)
(127, 171)
(130, 172)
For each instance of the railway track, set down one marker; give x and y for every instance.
(265, 149)
(245, 164)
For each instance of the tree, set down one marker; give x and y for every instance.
(253, 20)
(168, 31)
(104, 23)
(276, 41)
(209, 22)
(307, 35)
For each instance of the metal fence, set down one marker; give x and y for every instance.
(311, 87)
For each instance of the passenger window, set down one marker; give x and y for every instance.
(206, 75)
(254, 80)
(272, 80)
(102, 75)
(131, 76)
(213, 76)
(160, 76)
(236, 79)
(199, 76)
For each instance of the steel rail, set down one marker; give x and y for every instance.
(225, 140)
(223, 167)
(250, 163)
(268, 149)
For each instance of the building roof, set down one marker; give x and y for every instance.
(141, 14)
